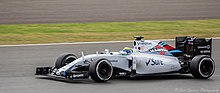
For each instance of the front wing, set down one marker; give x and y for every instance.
(51, 72)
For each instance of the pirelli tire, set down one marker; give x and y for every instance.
(202, 67)
(64, 59)
(101, 70)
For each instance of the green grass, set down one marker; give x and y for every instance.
(106, 31)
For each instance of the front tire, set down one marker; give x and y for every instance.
(101, 70)
(202, 67)
(64, 59)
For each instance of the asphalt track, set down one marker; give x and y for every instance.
(17, 68)
(63, 11)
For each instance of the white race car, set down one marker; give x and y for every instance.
(147, 57)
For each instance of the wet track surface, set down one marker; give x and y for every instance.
(17, 68)
(63, 11)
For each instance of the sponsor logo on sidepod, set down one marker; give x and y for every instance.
(154, 62)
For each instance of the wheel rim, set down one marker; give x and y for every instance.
(69, 59)
(104, 70)
(206, 67)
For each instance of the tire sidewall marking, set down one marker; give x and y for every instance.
(213, 64)
(106, 61)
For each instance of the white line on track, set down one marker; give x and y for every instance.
(73, 43)
(76, 43)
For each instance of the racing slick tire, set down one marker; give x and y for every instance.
(101, 70)
(64, 59)
(202, 67)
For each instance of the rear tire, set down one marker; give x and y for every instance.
(64, 59)
(202, 67)
(101, 70)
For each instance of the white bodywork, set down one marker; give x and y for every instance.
(152, 63)
(142, 63)
(145, 45)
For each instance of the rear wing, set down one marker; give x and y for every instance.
(202, 46)
(194, 46)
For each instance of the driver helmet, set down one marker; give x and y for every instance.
(127, 50)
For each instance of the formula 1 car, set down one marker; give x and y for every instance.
(147, 57)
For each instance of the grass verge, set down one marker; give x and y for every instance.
(105, 31)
